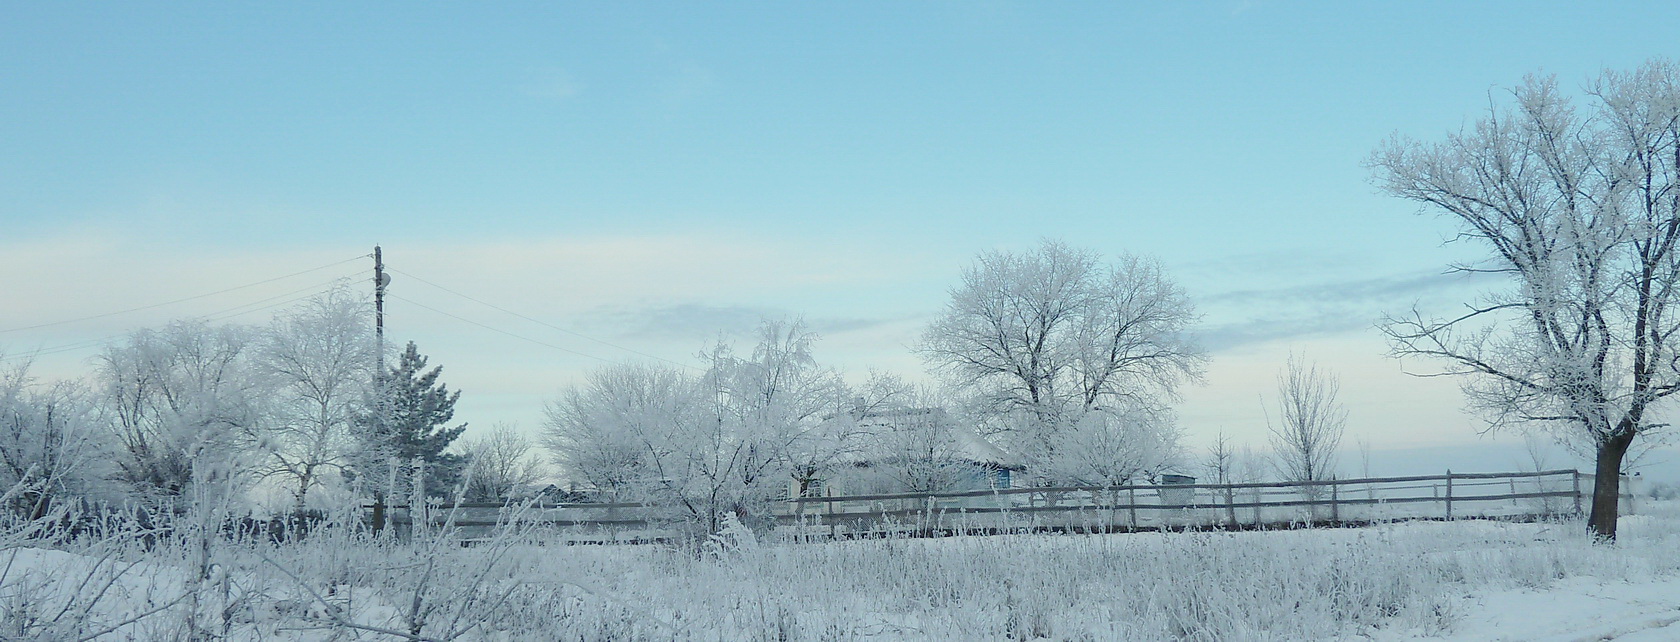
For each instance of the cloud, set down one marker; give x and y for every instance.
(1236, 335)
(699, 322)
(683, 321)
(1385, 289)
(1246, 317)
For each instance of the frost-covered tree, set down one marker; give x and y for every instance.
(1579, 210)
(780, 393)
(1117, 447)
(1041, 338)
(319, 360)
(182, 401)
(726, 440)
(763, 418)
(500, 465)
(915, 444)
(606, 432)
(1220, 460)
(1307, 432)
(51, 442)
(411, 423)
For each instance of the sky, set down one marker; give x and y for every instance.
(639, 179)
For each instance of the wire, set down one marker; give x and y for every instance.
(305, 293)
(190, 298)
(218, 315)
(498, 330)
(540, 322)
(69, 347)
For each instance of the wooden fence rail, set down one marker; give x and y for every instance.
(1085, 508)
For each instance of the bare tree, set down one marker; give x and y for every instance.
(781, 394)
(1309, 425)
(1044, 337)
(914, 444)
(500, 465)
(607, 432)
(318, 358)
(1580, 212)
(1117, 447)
(726, 441)
(50, 441)
(182, 400)
(1220, 462)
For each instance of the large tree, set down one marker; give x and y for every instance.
(50, 440)
(780, 393)
(183, 400)
(1579, 210)
(606, 432)
(318, 359)
(1042, 338)
(724, 441)
(408, 419)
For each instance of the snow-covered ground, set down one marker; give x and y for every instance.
(1467, 580)
(1577, 609)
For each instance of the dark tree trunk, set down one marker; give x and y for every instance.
(1607, 486)
(378, 512)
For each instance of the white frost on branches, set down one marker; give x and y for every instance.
(1043, 338)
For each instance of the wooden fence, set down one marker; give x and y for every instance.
(1518, 495)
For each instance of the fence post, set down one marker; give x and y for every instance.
(378, 512)
(1256, 490)
(1449, 494)
(1575, 477)
(927, 514)
(1230, 504)
(1335, 507)
(1131, 506)
(1113, 504)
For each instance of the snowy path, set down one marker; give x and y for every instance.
(1574, 610)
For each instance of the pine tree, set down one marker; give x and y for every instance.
(416, 414)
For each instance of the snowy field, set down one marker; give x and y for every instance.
(1466, 580)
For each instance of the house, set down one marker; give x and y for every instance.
(915, 450)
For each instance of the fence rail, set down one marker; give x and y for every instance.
(1081, 508)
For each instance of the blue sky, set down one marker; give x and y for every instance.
(653, 174)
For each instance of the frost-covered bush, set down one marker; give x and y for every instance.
(343, 582)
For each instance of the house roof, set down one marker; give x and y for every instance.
(970, 446)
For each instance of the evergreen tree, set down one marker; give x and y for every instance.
(416, 412)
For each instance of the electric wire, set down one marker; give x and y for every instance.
(219, 315)
(541, 322)
(295, 295)
(495, 329)
(190, 298)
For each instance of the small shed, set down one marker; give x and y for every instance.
(1171, 496)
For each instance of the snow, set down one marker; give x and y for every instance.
(1578, 609)
(1462, 581)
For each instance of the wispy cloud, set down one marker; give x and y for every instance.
(1245, 317)
(698, 322)
(1384, 289)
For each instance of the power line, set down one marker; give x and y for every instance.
(543, 323)
(498, 330)
(190, 298)
(218, 315)
(302, 294)
(69, 347)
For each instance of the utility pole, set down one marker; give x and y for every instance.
(380, 280)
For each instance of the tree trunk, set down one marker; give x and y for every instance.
(1607, 488)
